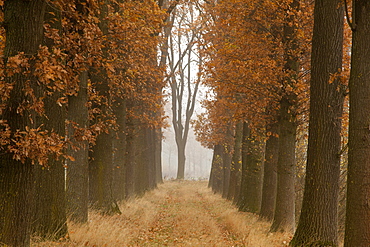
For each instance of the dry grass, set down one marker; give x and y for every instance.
(183, 213)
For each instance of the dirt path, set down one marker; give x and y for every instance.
(176, 214)
(185, 218)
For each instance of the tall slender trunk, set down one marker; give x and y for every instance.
(249, 198)
(77, 121)
(226, 164)
(270, 173)
(77, 186)
(120, 148)
(130, 164)
(318, 223)
(215, 180)
(181, 159)
(284, 217)
(235, 167)
(141, 169)
(151, 158)
(101, 163)
(158, 155)
(50, 220)
(357, 227)
(24, 33)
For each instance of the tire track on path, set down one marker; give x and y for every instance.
(185, 218)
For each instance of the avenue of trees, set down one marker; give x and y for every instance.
(287, 113)
(283, 76)
(81, 110)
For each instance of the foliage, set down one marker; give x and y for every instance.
(128, 53)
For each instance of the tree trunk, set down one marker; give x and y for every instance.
(24, 33)
(151, 158)
(249, 198)
(181, 159)
(235, 167)
(130, 165)
(77, 186)
(226, 164)
(100, 175)
(141, 173)
(50, 220)
(215, 180)
(119, 146)
(269, 187)
(357, 227)
(318, 223)
(284, 217)
(158, 155)
(101, 163)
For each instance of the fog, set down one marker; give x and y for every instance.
(198, 159)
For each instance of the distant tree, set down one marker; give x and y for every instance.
(250, 194)
(216, 178)
(357, 226)
(318, 223)
(269, 187)
(184, 89)
(236, 163)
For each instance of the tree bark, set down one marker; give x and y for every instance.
(77, 186)
(181, 159)
(120, 148)
(235, 166)
(130, 165)
(249, 198)
(101, 163)
(151, 158)
(269, 187)
(141, 173)
(226, 164)
(158, 155)
(50, 220)
(318, 223)
(215, 180)
(24, 33)
(284, 216)
(77, 183)
(357, 227)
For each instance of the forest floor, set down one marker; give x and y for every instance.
(178, 213)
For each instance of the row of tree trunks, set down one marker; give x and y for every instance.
(318, 223)
(37, 199)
